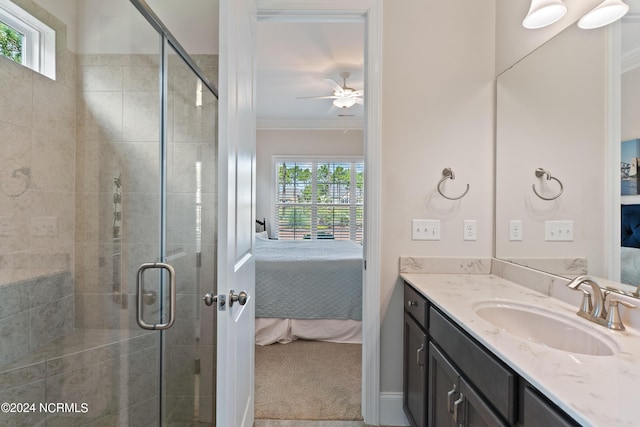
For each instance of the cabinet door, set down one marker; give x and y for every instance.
(539, 413)
(476, 412)
(415, 372)
(444, 389)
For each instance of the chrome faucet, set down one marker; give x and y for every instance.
(597, 313)
(598, 310)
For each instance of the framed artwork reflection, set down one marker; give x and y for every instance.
(629, 167)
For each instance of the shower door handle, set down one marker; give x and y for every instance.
(141, 294)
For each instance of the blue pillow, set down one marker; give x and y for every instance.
(630, 232)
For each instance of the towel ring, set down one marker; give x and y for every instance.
(22, 174)
(447, 173)
(540, 173)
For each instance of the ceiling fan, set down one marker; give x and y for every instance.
(343, 96)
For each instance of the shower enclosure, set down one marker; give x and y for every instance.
(108, 224)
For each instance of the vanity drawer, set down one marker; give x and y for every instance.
(490, 376)
(416, 305)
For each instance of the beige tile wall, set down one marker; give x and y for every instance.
(37, 171)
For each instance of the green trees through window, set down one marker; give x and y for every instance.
(320, 199)
(11, 42)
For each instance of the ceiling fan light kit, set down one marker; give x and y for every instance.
(344, 102)
(546, 12)
(343, 96)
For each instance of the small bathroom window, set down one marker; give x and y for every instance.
(27, 40)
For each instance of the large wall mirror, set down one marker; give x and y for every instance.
(556, 172)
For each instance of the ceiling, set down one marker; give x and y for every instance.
(294, 59)
(295, 56)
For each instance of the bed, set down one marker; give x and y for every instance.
(308, 289)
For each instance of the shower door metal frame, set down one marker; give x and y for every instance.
(166, 37)
(157, 24)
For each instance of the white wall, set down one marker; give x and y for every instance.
(439, 64)
(551, 114)
(271, 143)
(630, 105)
(116, 27)
(513, 41)
(65, 11)
(438, 102)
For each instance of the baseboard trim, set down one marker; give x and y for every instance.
(391, 412)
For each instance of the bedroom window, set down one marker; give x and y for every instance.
(318, 199)
(26, 40)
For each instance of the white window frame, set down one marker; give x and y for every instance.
(39, 45)
(275, 160)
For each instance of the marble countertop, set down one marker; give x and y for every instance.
(602, 391)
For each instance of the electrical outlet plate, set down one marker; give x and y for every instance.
(558, 231)
(470, 229)
(425, 229)
(515, 230)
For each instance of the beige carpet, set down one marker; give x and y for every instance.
(308, 380)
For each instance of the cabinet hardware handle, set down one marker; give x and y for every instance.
(450, 396)
(418, 354)
(458, 418)
(411, 303)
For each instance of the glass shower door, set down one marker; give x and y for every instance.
(189, 360)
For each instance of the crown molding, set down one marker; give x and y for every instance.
(328, 124)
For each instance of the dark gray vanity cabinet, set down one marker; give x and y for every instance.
(450, 379)
(539, 412)
(467, 385)
(416, 347)
(452, 401)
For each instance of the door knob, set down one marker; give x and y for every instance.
(209, 298)
(240, 298)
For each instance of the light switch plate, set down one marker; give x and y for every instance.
(425, 229)
(558, 231)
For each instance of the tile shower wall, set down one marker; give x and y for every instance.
(37, 167)
(118, 184)
(123, 363)
(118, 122)
(37, 208)
(34, 312)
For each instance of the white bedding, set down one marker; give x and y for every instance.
(283, 331)
(308, 279)
(630, 266)
(308, 289)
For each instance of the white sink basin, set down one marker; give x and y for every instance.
(544, 327)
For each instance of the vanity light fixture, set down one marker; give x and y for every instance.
(604, 14)
(543, 13)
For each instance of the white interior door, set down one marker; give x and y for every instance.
(236, 266)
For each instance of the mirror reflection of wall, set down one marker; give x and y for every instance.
(551, 114)
(630, 134)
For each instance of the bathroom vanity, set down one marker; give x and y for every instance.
(468, 359)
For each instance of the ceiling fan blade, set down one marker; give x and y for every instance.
(332, 109)
(359, 101)
(335, 86)
(358, 93)
(317, 97)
